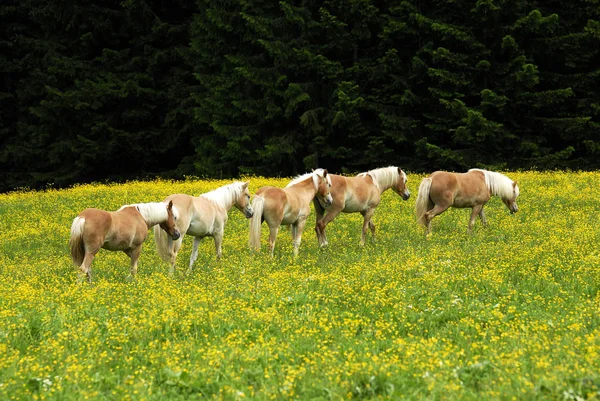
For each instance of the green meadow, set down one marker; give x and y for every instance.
(509, 312)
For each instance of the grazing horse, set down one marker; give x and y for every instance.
(288, 206)
(473, 189)
(202, 216)
(359, 194)
(124, 230)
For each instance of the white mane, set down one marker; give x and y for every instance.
(384, 177)
(315, 174)
(153, 212)
(498, 184)
(226, 195)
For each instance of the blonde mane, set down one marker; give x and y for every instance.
(226, 195)
(384, 177)
(153, 212)
(315, 174)
(498, 184)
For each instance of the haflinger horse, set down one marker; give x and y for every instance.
(360, 194)
(202, 216)
(124, 230)
(473, 189)
(288, 206)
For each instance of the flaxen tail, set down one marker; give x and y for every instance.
(258, 204)
(422, 200)
(163, 242)
(76, 241)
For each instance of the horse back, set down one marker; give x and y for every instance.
(128, 229)
(458, 189)
(361, 193)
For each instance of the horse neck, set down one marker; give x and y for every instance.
(498, 184)
(224, 197)
(304, 189)
(381, 179)
(152, 213)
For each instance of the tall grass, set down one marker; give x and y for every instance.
(508, 312)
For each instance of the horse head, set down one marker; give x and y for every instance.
(242, 203)
(324, 187)
(170, 224)
(400, 186)
(511, 201)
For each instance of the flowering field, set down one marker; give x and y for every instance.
(509, 312)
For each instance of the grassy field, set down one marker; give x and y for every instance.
(509, 312)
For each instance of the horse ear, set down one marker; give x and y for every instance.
(170, 205)
(514, 184)
(324, 173)
(399, 171)
(246, 184)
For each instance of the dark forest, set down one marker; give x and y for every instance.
(135, 89)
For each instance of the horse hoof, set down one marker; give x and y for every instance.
(130, 278)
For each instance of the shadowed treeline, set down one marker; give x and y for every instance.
(117, 90)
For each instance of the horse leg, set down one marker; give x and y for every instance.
(474, 212)
(218, 236)
(320, 212)
(134, 254)
(482, 217)
(297, 229)
(372, 228)
(194, 254)
(272, 238)
(332, 213)
(367, 218)
(85, 270)
(437, 209)
(175, 246)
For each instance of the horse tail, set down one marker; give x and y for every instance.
(76, 244)
(422, 200)
(258, 204)
(163, 243)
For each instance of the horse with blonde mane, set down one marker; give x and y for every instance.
(124, 230)
(288, 206)
(473, 189)
(360, 194)
(202, 216)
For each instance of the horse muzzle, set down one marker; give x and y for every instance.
(248, 213)
(176, 235)
(405, 195)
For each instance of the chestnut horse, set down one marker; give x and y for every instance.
(202, 216)
(288, 206)
(473, 189)
(124, 230)
(359, 194)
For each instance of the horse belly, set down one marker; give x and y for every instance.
(117, 244)
(352, 205)
(200, 228)
(461, 201)
(289, 218)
